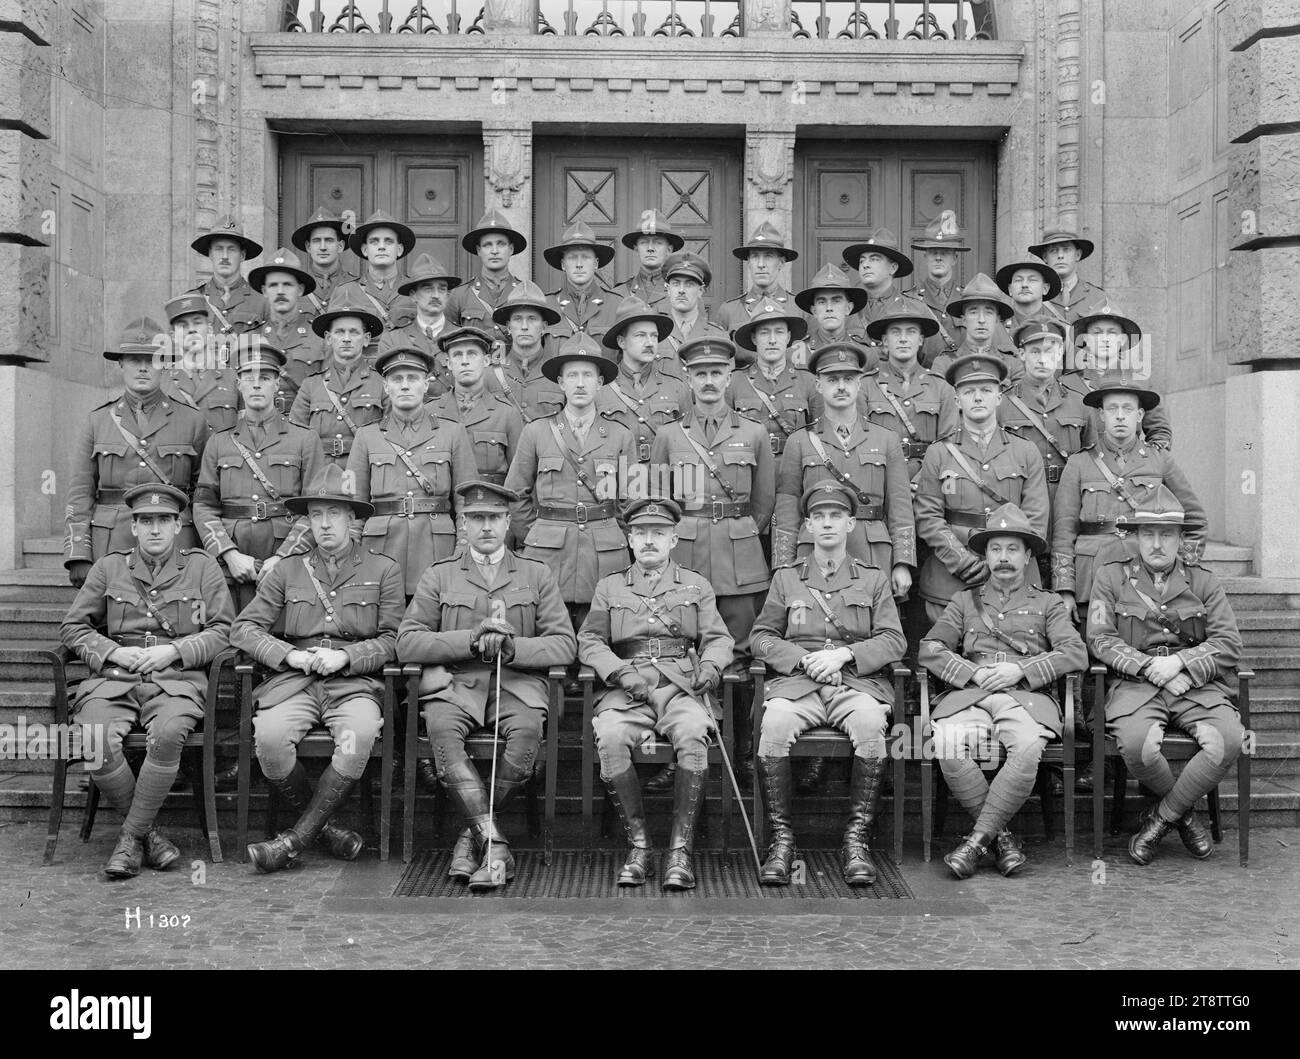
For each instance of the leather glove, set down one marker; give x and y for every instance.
(707, 677)
(77, 573)
(638, 688)
(492, 642)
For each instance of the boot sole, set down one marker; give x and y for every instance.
(117, 874)
(1006, 873)
(767, 880)
(165, 863)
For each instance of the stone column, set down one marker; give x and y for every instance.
(1263, 446)
(507, 176)
(769, 181)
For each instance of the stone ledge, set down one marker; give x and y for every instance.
(25, 189)
(1262, 183)
(1264, 94)
(24, 303)
(24, 85)
(1249, 20)
(28, 17)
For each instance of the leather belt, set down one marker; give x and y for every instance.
(720, 509)
(996, 658)
(410, 506)
(1095, 529)
(914, 450)
(654, 647)
(1162, 651)
(258, 510)
(146, 640)
(577, 512)
(110, 496)
(330, 643)
(495, 477)
(1053, 473)
(336, 446)
(870, 512)
(966, 518)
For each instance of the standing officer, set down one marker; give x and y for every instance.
(1000, 647)
(586, 306)
(381, 243)
(878, 262)
(338, 635)
(427, 284)
(654, 636)
(764, 257)
(687, 276)
(1063, 251)
(235, 307)
(348, 394)
(965, 477)
(246, 476)
(832, 301)
(652, 241)
(201, 376)
(467, 609)
(323, 239)
(1031, 286)
(407, 466)
(147, 622)
(771, 390)
(828, 627)
(525, 318)
(982, 310)
(942, 242)
(475, 303)
(1167, 632)
(568, 473)
(286, 288)
(139, 437)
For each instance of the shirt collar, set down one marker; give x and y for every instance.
(488, 560)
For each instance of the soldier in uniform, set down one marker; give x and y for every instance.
(525, 318)
(879, 262)
(586, 306)
(340, 606)
(687, 276)
(147, 622)
(764, 257)
(567, 473)
(982, 310)
(654, 636)
(247, 473)
(484, 602)
(348, 394)
(490, 419)
(1063, 251)
(942, 242)
(828, 627)
(201, 376)
(428, 284)
(286, 287)
(475, 303)
(1031, 286)
(965, 477)
(832, 300)
(138, 437)
(1000, 647)
(1167, 632)
(771, 390)
(235, 307)
(652, 241)
(323, 239)
(407, 466)
(381, 243)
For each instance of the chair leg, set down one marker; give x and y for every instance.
(368, 800)
(1047, 804)
(927, 807)
(941, 804)
(92, 806)
(1216, 821)
(532, 811)
(1118, 794)
(57, 791)
(195, 776)
(1067, 772)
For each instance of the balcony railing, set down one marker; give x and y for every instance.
(819, 19)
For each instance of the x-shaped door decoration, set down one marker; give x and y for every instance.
(587, 188)
(678, 195)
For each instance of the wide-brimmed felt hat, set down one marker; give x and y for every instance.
(1003, 277)
(1106, 310)
(424, 268)
(831, 277)
(981, 289)
(347, 303)
(578, 236)
(631, 310)
(329, 486)
(526, 295)
(766, 237)
(902, 309)
(1007, 521)
(155, 498)
(381, 219)
(827, 491)
(484, 498)
(976, 367)
(142, 337)
(494, 221)
(942, 233)
(322, 218)
(226, 228)
(769, 313)
(880, 241)
(580, 347)
(653, 223)
(1060, 235)
(1159, 508)
(283, 260)
(1112, 383)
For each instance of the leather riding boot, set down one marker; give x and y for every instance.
(813, 778)
(332, 790)
(679, 869)
(160, 852)
(295, 791)
(1152, 828)
(625, 792)
(965, 859)
(1197, 840)
(509, 782)
(1010, 855)
(663, 780)
(427, 774)
(127, 855)
(464, 857)
(775, 777)
(864, 794)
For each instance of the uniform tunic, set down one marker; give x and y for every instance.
(362, 399)
(234, 312)
(667, 359)
(393, 309)
(472, 304)
(531, 393)
(326, 285)
(304, 352)
(1003, 346)
(213, 391)
(653, 290)
(1073, 305)
(414, 336)
(591, 314)
(737, 311)
(104, 464)
(937, 300)
(644, 404)
(493, 425)
(1063, 415)
(793, 396)
(928, 401)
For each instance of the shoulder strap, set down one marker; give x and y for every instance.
(338, 406)
(416, 473)
(1015, 645)
(707, 460)
(217, 314)
(633, 408)
(380, 308)
(568, 455)
(320, 590)
(840, 476)
(248, 458)
(134, 442)
(1114, 482)
(508, 393)
(1166, 623)
(1037, 421)
(899, 411)
(973, 474)
(838, 625)
(669, 622)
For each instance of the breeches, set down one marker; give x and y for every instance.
(448, 723)
(682, 720)
(856, 713)
(167, 720)
(354, 722)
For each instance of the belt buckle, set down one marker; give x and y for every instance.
(336, 447)
(150, 640)
(408, 507)
(999, 657)
(1053, 474)
(775, 440)
(260, 511)
(643, 452)
(655, 648)
(580, 513)
(718, 510)
(1162, 651)
(327, 643)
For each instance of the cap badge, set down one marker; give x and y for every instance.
(1002, 524)
(842, 355)
(653, 509)
(155, 499)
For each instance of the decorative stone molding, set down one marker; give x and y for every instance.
(769, 181)
(1069, 25)
(507, 172)
(509, 16)
(767, 16)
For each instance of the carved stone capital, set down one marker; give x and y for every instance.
(507, 158)
(767, 16)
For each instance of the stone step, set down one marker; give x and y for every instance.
(1262, 593)
(43, 553)
(1270, 628)
(1273, 666)
(1226, 560)
(31, 621)
(36, 586)
(1275, 709)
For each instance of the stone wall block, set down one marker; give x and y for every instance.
(1262, 299)
(1265, 91)
(26, 203)
(1262, 183)
(1247, 19)
(29, 17)
(24, 84)
(24, 303)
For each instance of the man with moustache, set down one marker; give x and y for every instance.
(136, 627)
(138, 437)
(940, 246)
(285, 286)
(381, 243)
(1000, 647)
(1030, 285)
(879, 263)
(525, 318)
(1166, 631)
(476, 302)
(339, 633)
(235, 307)
(765, 257)
(323, 239)
(652, 241)
(771, 390)
(1063, 250)
(832, 300)
(200, 373)
(655, 638)
(586, 306)
(981, 311)
(247, 474)
(348, 394)
(467, 610)
(427, 284)
(687, 275)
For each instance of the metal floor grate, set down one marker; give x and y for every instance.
(591, 876)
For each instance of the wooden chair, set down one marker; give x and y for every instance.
(481, 746)
(68, 673)
(318, 743)
(653, 750)
(1055, 755)
(1177, 746)
(826, 741)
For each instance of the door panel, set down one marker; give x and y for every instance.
(433, 197)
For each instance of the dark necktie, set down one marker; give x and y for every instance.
(844, 434)
(488, 570)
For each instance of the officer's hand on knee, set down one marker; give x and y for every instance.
(1180, 685)
(489, 644)
(153, 659)
(125, 657)
(900, 580)
(638, 688)
(707, 677)
(77, 573)
(241, 566)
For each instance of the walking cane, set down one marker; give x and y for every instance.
(498, 867)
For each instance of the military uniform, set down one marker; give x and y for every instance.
(303, 349)
(936, 299)
(323, 284)
(1156, 428)
(337, 409)
(982, 289)
(1070, 304)
(413, 336)
(473, 303)
(327, 284)
(782, 406)
(531, 394)
(589, 313)
(1002, 346)
(669, 359)
(644, 405)
(493, 425)
(211, 391)
(650, 289)
(1053, 420)
(238, 310)
(926, 399)
(736, 312)
(394, 309)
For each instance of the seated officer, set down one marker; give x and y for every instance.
(147, 622)
(484, 601)
(1000, 647)
(654, 636)
(1166, 630)
(829, 624)
(341, 607)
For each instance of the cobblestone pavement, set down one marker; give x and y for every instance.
(1174, 914)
